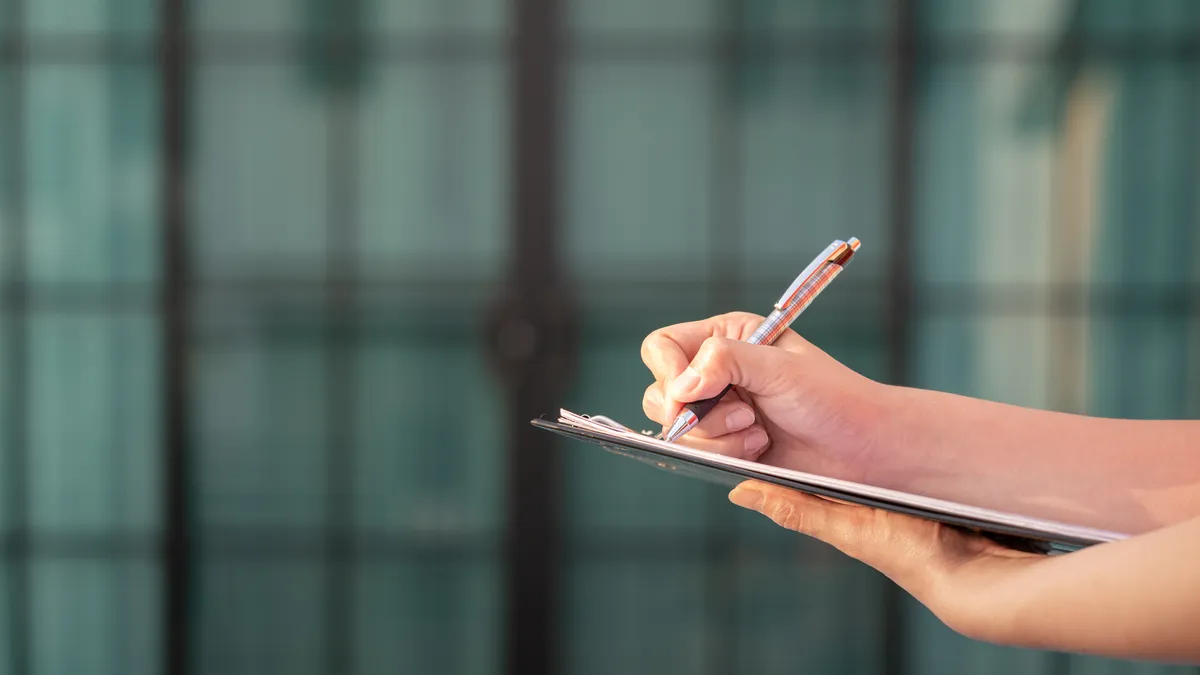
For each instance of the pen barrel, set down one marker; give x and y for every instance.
(702, 408)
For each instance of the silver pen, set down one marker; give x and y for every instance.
(819, 273)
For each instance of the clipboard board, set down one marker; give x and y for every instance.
(1011, 530)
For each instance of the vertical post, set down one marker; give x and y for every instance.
(175, 315)
(724, 289)
(530, 340)
(15, 303)
(903, 57)
(343, 59)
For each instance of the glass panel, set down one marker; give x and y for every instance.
(434, 189)
(261, 427)
(1131, 18)
(984, 182)
(92, 152)
(1092, 665)
(420, 469)
(267, 16)
(813, 141)
(10, 141)
(996, 18)
(428, 617)
(625, 617)
(1136, 361)
(94, 427)
(815, 608)
(7, 412)
(815, 16)
(260, 172)
(488, 17)
(56, 17)
(260, 616)
(638, 169)
(95, 617)
(633, 16)
(1146, 180)
(6, 633)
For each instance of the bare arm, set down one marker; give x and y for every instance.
(1139, 598)
(1126, 475)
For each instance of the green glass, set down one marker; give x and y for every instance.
(260, 190)
(419, 468)
(260, 615)
(94, 429)
(622, 614)
(123, 18)
(638, 169)
(261, 448)
(92, 173)
(427, 615)
(107, 609)
(433, 154)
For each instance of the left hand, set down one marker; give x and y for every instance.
(959, 576)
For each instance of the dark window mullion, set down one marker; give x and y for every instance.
(903, 130)
(176, 323)
(16, 422)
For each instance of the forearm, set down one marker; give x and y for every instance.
(1125, 475)
(1139, 598)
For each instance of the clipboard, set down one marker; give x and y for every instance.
(1011, 530)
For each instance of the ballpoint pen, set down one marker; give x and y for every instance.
(822, 270)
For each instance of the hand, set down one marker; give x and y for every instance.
(964, 579)
(792, 406)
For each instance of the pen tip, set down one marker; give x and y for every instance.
(681, 426)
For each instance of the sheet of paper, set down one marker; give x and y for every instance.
(604, 425)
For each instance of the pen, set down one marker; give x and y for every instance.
(819, 273)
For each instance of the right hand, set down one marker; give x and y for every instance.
(792, 405)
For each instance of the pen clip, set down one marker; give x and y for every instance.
(837, 253)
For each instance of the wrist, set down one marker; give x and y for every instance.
(906, 448)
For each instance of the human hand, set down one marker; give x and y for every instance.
(792, 406)
(967, 580)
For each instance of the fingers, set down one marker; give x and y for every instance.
(748, 444)
(720, 361)
(730, 415)
(667, 351)
(899, 546)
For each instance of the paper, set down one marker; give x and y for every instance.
(607, 432)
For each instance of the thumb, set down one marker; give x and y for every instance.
(759, 369)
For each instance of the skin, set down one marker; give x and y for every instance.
(795, 406)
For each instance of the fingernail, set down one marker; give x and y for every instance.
(756, 440)
(739, 419)
(747, 498)
(683, 384)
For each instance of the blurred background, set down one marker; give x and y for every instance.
(285, 280)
